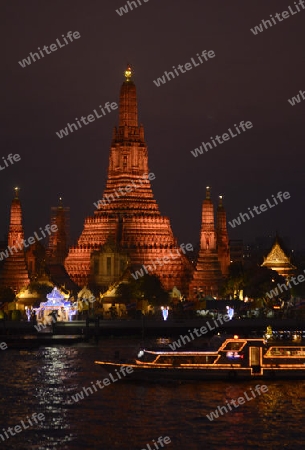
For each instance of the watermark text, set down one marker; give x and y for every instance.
(128, 188)
(244, 126)
(53, 47)
(237, 402)
(279, 17)
(183, 68)
(71, 127)
(259, 209)
(161, 261)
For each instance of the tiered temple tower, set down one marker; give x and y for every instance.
(14, 273)
(128, 216)
(222, 238)
(58, 241)
(212, 256)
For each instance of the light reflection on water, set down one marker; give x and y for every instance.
(128, 416)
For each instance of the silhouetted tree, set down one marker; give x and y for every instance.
(6, 294)
(148, 287)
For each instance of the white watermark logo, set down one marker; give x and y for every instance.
(161, 261)
(237, 402)
(294, 100)
(29, 241)
(128, 188)
(53, 47)
(259, 209)
(161, 441)
(129, 6)
(124, 370)
(90, 118)
(225, 136)
(10, 159)
(295, 280)
(18, 428)
(279, 17)
(183, 68)
(3, 346)
(198, 332)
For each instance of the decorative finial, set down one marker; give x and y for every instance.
(220, 200)
(128, 73)
(60, 202)
(208, 193)
(16, 189)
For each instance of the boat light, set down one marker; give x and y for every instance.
(140, 354)
(235, 336)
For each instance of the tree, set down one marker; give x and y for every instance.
(41, 288)
(124, 291)
(6, 294)
(148, 287)
(255, 281)
(235, 281)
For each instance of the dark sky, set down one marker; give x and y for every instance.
(250, 79)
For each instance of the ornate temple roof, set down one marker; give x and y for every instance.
(278, 260)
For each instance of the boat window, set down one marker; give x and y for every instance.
(286, 351)
(165, 360)
(233, 345)
(204, 359)
(147, 357)
(183, 360)
(187, 359)
(233, 355)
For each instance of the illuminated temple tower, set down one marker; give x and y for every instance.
(128, 221)
(213, 259)
(222, 238)
(58, 241)
(14, 273)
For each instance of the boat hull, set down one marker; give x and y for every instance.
(157, 374)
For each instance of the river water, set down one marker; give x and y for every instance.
(128, 416)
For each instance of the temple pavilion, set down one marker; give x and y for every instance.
(278, 260)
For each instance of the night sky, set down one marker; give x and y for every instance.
(251, 78)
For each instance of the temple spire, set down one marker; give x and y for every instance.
(208, 193)
(14, 273)
(220, 201)
(222, 237)
(128, 111)
(207, 276)
(128, 73)
(15, 227)
(58, 241)
(207, 224)
(221, 218)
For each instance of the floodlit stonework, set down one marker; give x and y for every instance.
(14, 273)
(131, 222)
(214, 257)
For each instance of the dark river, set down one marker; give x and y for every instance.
(131, 415)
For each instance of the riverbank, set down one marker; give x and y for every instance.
(95, 328)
